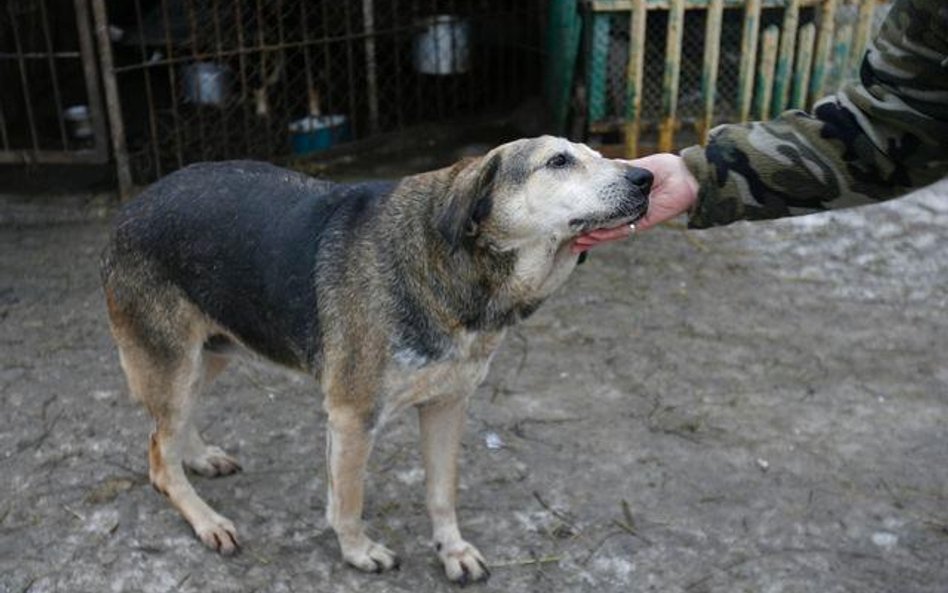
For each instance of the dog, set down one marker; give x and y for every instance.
(392, 294)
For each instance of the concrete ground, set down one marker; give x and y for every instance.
(759, 408)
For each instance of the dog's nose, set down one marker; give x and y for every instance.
(640, 178)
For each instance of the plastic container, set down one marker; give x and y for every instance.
(318, 132)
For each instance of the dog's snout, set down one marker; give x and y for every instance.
(640, 178)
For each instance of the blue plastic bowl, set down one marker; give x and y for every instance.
(318, 132)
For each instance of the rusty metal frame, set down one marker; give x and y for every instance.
(116, 124)
(99, 152)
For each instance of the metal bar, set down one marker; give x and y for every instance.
(327, 63)
(196, 57)
(627, 5)
(598, 63)
(788, 39)
(30, 55)
(514, 61)
(745, 78)
(27, 99)
(312, 95)
(57, 98)
(272, 47)
(765, 75)
(149, 96)
(487, 83)
(455, 104)
(350, 74)
(803, 66)
(261, 94)
(417, 78)
(175, 118)
(90, 73)
(843, 40)
(824, 45)
(283, 72)
(371, 68)
(53, 157)
(709, 72)
(224, 108)
(399, 116)
(438, 80)
(116, 125)
(863, 29)
(3, 131)
(634, 74)
(671, 76)
(242, 61)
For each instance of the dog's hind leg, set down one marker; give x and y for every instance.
(442, 423)
(199, 457)
(168, 449)
(161, 350)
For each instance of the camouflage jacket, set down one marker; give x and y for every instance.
(876, 138)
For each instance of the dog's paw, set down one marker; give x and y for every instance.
(218, 534)
(212, 462)
(370, 556)
(463, 564)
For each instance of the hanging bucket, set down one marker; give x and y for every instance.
(443, 46)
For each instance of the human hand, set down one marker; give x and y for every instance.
(674, 191)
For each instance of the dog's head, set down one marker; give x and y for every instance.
(540, 190)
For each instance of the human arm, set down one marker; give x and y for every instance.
(875, 139)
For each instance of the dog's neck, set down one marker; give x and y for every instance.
(468, 289)
(542, 266)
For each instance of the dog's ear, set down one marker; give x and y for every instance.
(470, 201)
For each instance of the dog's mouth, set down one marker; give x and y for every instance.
(610, 220)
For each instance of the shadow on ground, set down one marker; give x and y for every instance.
(756, 408)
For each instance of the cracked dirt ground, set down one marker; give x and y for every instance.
(762, 407)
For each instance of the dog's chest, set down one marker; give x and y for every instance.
(412, 379)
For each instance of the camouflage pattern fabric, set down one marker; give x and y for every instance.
(874, 139)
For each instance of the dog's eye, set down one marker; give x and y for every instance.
(559, 160)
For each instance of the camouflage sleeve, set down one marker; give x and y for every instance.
(874, 139)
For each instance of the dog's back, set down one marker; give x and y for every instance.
(240, 240)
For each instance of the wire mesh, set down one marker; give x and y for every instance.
(613, 41)
(47, 111)
(218, 79)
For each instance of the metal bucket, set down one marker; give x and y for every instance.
(206, 83)
(443, 46)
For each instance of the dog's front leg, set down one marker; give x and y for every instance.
(442, 423)
(348, 445)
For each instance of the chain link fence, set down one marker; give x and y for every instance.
(215, 79)
(50, 107)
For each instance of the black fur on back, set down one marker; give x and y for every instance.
(241, 239)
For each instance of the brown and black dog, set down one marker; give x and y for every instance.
(393, 295)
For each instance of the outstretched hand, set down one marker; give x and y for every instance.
(674, 191)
